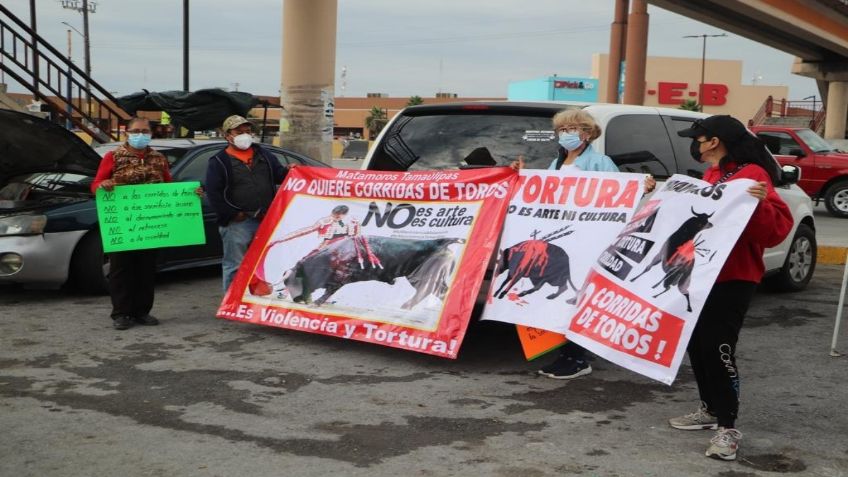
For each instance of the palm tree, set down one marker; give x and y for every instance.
(375, 121)
(414, 101)
(690, 105)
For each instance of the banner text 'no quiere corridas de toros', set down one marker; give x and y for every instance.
(391, 258)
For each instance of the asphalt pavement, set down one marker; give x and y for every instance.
(197, 396)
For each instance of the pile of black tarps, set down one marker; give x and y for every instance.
(197, 111)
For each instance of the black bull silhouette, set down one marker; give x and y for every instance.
(427, 264)
(677, 256)
(540, 261)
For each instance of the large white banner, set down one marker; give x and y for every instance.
(558, 223)
(644, 294)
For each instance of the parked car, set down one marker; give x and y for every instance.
(637, 138)
(49, 233)
(355, 149)
(824, 169)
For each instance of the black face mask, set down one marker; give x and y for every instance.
(695, 150)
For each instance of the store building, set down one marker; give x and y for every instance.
(670, 81)
(554, 88)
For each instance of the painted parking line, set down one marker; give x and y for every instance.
(829, 255)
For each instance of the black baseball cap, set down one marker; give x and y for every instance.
(727, 128)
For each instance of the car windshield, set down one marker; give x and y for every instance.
(814, 141)
(45, 186)
(452, 139)
(355, 149)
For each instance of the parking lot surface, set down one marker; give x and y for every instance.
(206, 397)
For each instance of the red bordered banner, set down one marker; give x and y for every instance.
(391, 258)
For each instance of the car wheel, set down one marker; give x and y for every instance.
(90, 266)
(800, 262)
(836, 199)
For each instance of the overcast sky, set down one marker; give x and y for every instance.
(403, 48)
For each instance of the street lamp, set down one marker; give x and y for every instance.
(70, 70)
(703, 64)
(813, 97)
(813, 115)
(69, 99)
(69, 36)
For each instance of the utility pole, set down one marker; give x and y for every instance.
(703, 66)
(70, 84)
(185, 45)
(86, 8)
(69, 99)
(35, 62)
(87, 34)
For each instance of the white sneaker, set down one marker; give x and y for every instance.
(724, 444)
(696, 421)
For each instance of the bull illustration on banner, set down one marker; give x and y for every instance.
(540, 261)
(677, 256)
(426, 264)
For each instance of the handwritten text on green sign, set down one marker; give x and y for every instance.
(134, 217)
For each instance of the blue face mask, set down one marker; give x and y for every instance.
(138, 141)
(570, 141)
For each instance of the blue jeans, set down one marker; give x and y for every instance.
(236, 236)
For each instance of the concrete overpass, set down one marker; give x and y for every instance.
(815, 31)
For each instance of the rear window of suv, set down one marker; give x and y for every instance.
(450, 140)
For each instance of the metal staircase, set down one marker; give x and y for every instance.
(56, 81)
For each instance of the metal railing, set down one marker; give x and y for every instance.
(56, 81)
(812, 109)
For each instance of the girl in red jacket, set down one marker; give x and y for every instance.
(734, 153)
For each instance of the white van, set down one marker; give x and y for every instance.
(637, 138)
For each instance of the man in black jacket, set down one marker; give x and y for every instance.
(241, 182)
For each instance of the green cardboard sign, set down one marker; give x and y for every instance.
(135, 217)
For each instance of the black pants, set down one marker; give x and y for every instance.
(574, 351)
(131, 280)
(712, 348)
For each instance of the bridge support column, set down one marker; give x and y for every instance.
(618, 32)
(636, 53)
(837, 110)
(832, 80)
(308, 77)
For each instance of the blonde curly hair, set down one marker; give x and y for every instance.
(580, 118)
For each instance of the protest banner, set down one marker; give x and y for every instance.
(644, 294)
(557, 225)
(391, 258)
(135, 217)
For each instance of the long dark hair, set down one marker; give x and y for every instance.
(751, 150)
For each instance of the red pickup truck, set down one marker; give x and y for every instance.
(824, 169)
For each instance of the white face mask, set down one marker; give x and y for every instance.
(243, 141)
